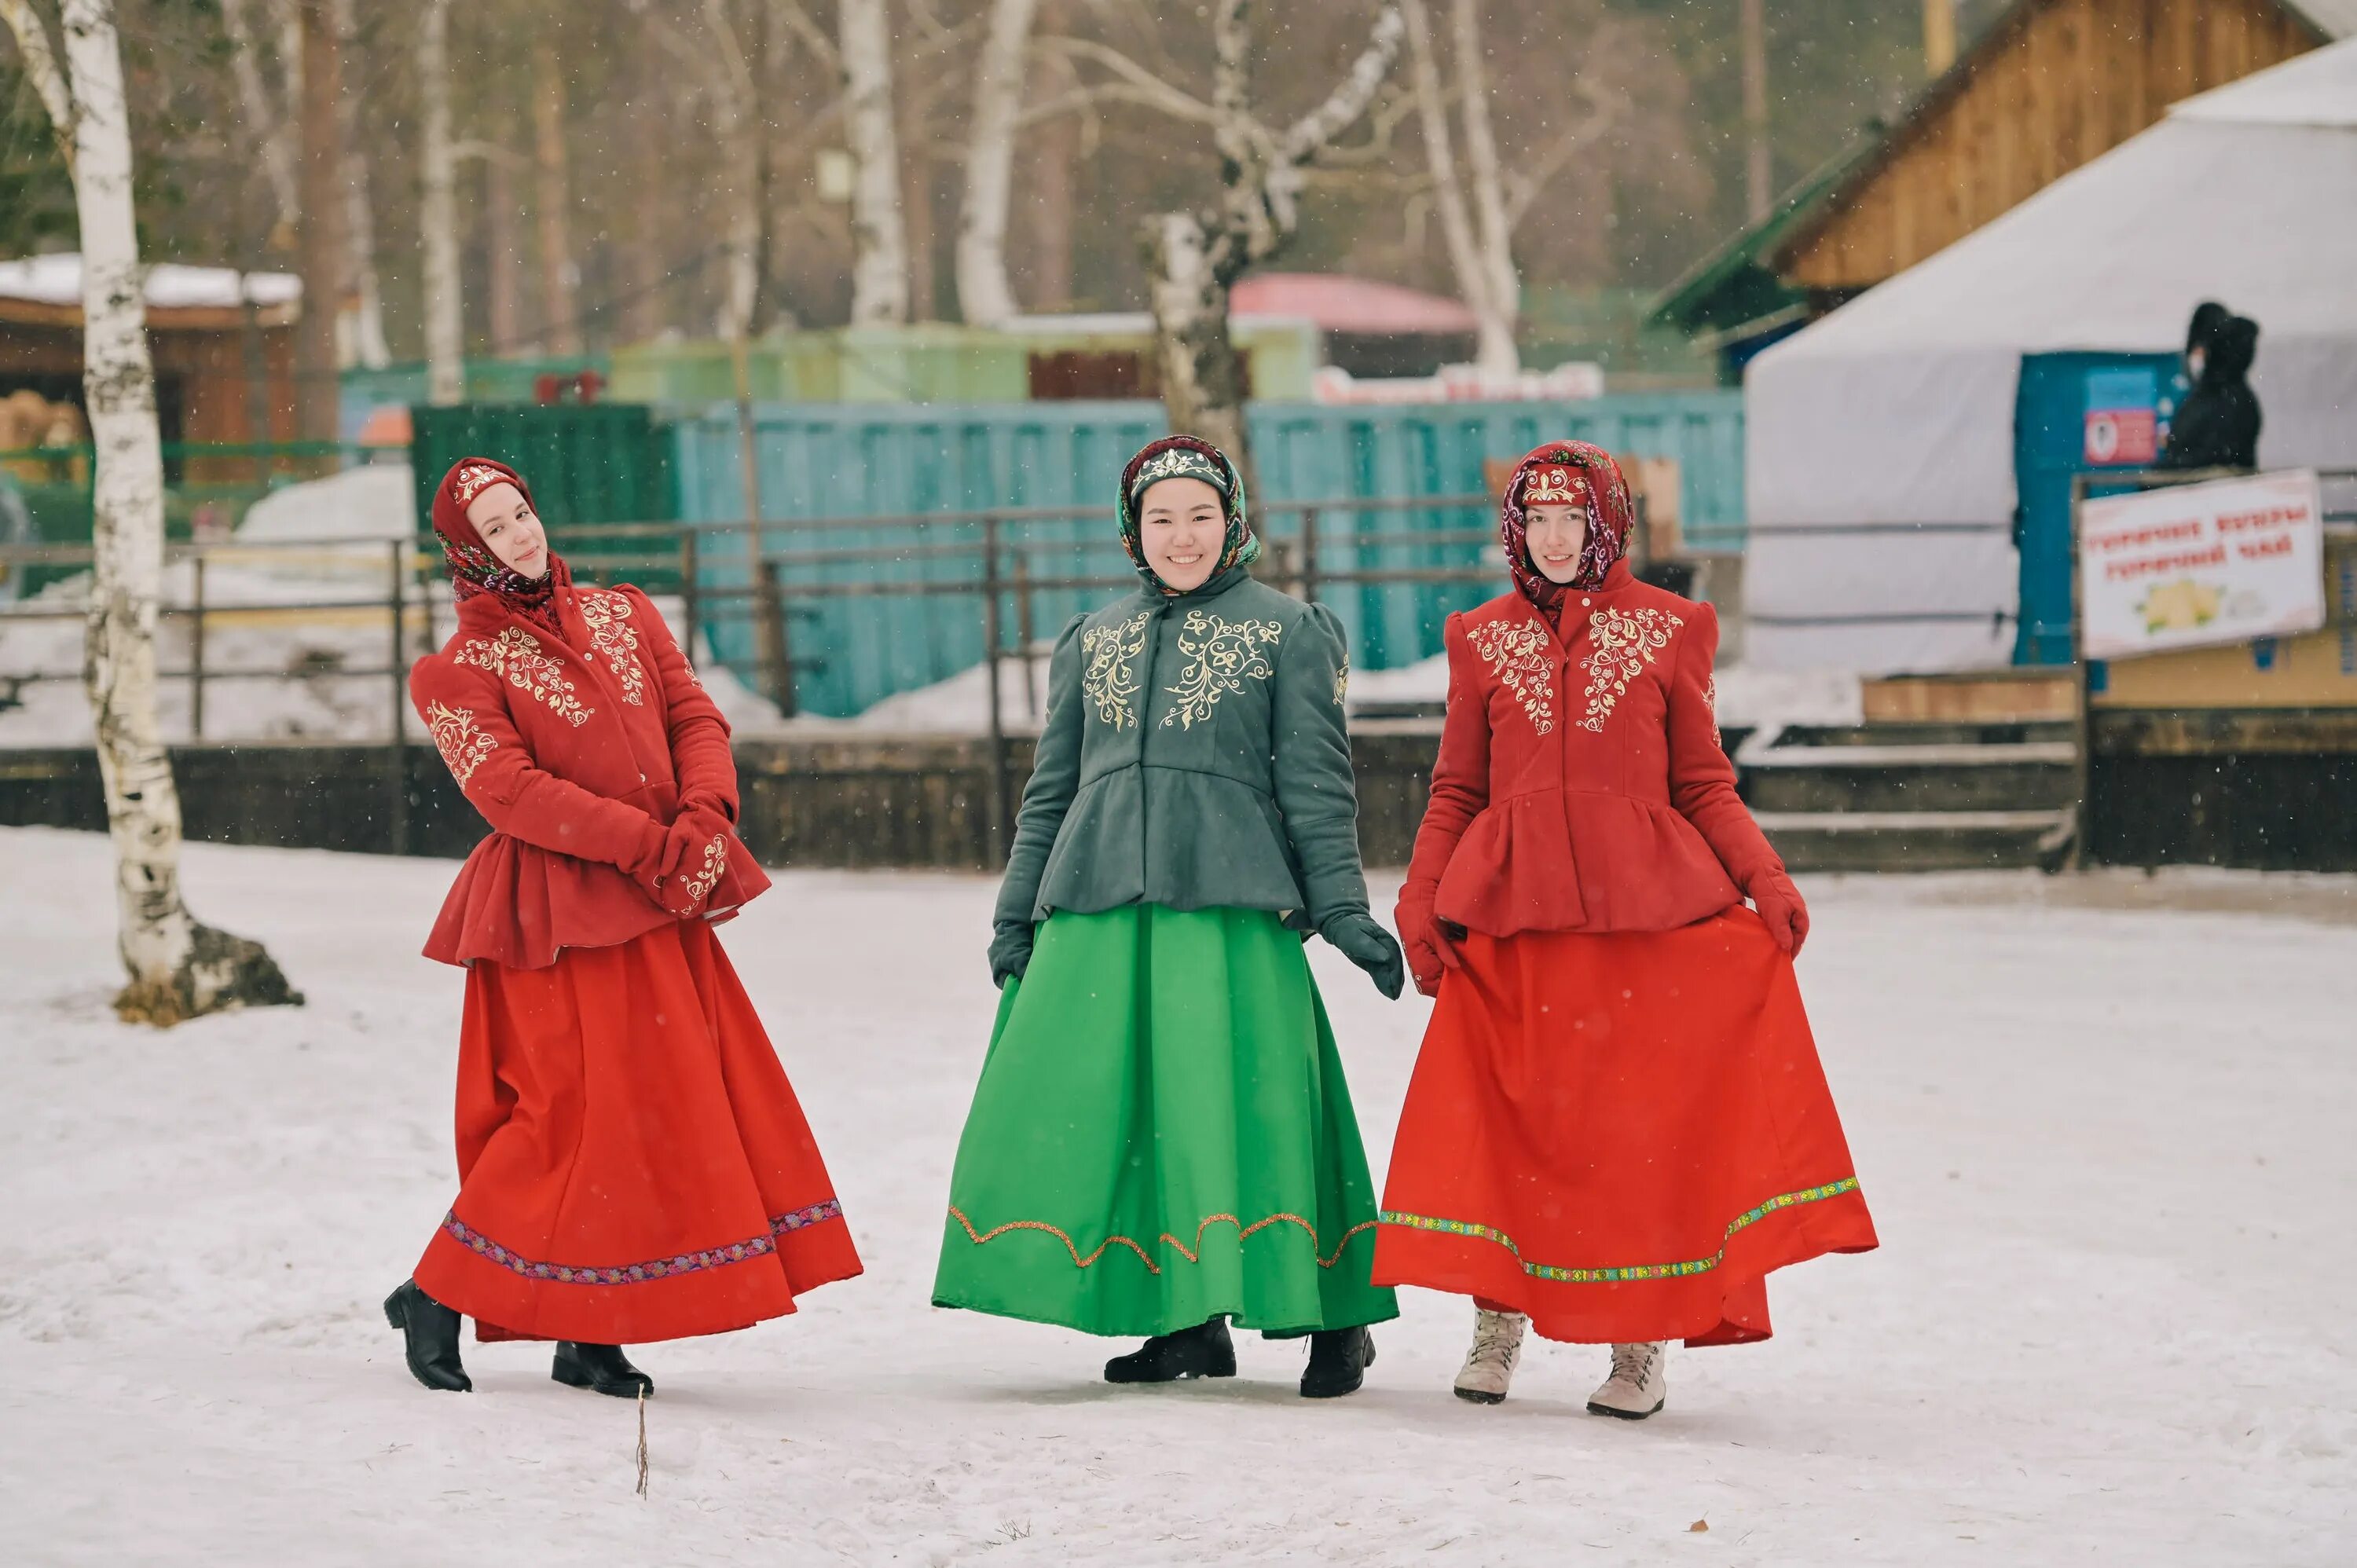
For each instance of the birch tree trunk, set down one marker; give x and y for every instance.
(985, 298)
(446, 352)
(1202, 377)
(1465, 258)
(879, 272)
(1195, 259)
(267, 122)
(177, 967)
(369, 347)
(1502, 286)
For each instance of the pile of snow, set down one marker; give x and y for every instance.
(374, 500)
(324, 542)
(2107, 1152)
(307, 696)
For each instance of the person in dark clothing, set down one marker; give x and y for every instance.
(2218, 427)
(2206, 317)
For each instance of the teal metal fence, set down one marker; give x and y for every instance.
(850, 461)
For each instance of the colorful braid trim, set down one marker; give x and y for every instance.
(639, 1273)
(1192, 1254)
(1638, 1271)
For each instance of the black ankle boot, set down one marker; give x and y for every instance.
(1204, 1351)
(430, 1332)
(600, 1367)
(1339, 1359)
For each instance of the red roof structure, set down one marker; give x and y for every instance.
(1333, 303)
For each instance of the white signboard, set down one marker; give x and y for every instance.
(2193, 565)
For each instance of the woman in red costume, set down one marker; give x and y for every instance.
(632, 1163)
(1618, 1125)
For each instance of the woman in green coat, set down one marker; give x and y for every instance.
(1162, 1139)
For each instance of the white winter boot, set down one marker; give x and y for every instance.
(1638, 1384)
(1490, 1365)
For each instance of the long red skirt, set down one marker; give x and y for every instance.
(632, 1163)
(1620, 1134)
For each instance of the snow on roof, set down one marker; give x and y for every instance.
(2319, 88)
(2333, 18)
(57, 280)
(1879, 482)
(1337, 304)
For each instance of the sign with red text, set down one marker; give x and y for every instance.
(2193, 565)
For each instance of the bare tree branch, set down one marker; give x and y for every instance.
(1151, 89)
(41, 66)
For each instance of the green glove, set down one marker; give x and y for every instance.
(1370, 947)
(1010, 953)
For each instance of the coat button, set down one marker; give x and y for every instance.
(1584, 603)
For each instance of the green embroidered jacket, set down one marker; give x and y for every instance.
(1194, 756)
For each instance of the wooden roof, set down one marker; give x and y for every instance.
(2046, 86)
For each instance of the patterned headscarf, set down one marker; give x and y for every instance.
(473, 568)
(1566, 471)
(1185, 458)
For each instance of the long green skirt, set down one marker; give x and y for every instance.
(1161, 1136)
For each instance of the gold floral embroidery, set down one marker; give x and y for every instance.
(716, 862)
(613, 636)
(1226, 654)
(515, 657)
(1710, 701)
(1343, 680)
(1625, 642)
(1111, 678)
(1517, 653)
(455, 735)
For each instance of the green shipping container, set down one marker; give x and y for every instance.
(593, 463)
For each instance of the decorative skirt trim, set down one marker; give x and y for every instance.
(1638, 1271)
(1192, 1254)
(639, 1273)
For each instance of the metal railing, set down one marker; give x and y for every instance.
(732, 570)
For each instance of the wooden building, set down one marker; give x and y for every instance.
(223, 344)
(2046, 86)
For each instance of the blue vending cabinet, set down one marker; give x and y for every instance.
(2074, 413)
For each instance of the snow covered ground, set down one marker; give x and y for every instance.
(2104, 1123)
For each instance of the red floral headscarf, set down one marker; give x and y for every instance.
(1186, 457)
(1578, 473)
(473, 568)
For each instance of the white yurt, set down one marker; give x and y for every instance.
(1880, 440)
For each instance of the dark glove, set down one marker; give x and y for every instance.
(1431, 946)
(1368, 945)
(1779, 903)
(1010, 953)
(695, 857)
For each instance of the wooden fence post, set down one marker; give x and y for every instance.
(196, 649)
(990, 635)
(397, 751)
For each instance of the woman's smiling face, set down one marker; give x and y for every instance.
(1182, 529)
(511, 530)
(1556, 532)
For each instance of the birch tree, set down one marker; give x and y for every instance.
(985, 299)
(177, 967)
(1195, 258)
(446, 361)
(879, 267)
(369, 347)
(1483, 261)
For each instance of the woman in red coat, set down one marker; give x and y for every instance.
(632, 1163)
(1618, 1125)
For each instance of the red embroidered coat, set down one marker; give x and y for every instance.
(578, 752)
(1581, 785)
